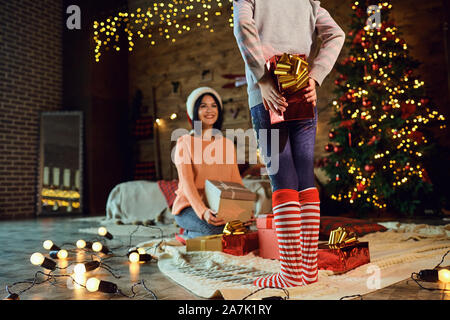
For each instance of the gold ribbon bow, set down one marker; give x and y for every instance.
(235, 227)
(341, 237)
(292, 72)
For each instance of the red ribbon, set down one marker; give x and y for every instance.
(269, 221)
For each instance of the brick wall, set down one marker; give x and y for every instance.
(30, 82)
(183, 61)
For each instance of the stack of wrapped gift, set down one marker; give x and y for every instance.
(343, 252)
(232, 201)
(236, 239)
(267, 237)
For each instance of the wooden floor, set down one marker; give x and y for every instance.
(20, 239)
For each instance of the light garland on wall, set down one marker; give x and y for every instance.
(164, 21)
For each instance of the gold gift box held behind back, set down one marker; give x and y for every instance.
(292, 72)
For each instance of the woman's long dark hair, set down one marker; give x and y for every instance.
(218, 124)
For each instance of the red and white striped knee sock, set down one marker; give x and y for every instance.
(286, 210)
(309, 233)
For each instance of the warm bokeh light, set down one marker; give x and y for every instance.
(62, 254)
(37, 258)
(134, 257)
(97, 246)
(92, 284)
(102, 231)
(444, 275)
(81, 244)
(48, 244)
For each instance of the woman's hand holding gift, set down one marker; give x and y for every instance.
(210, 217)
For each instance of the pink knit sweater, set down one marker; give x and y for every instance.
(198, 160)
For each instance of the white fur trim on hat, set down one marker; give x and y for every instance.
(195, 95)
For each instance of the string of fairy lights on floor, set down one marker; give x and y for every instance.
(162, 21)
(80, 279)
(79, 276)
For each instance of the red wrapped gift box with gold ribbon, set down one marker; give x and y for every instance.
(238, 240)
(291, 73)
(343, 252)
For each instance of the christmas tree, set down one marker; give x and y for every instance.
(381, 128)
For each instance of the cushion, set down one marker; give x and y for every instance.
(358, 226)
(168, 189)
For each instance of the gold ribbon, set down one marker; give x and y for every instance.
(341, 237)
(235, 227)
(292, 72)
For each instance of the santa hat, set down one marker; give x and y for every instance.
(197, 93)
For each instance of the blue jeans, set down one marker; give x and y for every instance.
(295, 154)
(193, 226)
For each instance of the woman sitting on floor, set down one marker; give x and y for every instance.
(205, 112)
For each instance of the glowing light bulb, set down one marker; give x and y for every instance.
(102, 231)
(38, 259)
(93, 285)
(49, 245)
(62, 254)
(98, 247)
(81, 244)
(173, 116)
(444, 275)
(82, 268)
(79, 268)
(137, 257)
(134, 257)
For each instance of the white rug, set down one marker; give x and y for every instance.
(395, 254)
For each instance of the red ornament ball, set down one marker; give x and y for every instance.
(424, 101)
(338, 149)
(332, 134)
(369, 168)
(329, 147)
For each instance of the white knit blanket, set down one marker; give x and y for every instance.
(395, 254)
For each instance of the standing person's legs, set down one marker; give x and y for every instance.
(193, 226)
(285, 204)
(302, 136)
(279, 163)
